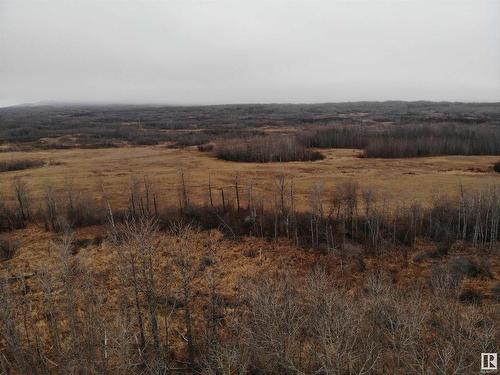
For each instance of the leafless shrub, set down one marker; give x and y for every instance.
(70, 276)
(274, 327)
(186, 269)
(7, 216)
(317, 213)
(51, 214)
(400, 319)
(345, 203)
(228, 357)
(23, 201)
(341, 339)
(374, 217)
(143, 200)
(479, 215)
(461, 334)
(80, 209)
(137, 251)
(17, 352)
(444, 283)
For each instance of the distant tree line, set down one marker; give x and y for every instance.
(107, 126)
(402, 141)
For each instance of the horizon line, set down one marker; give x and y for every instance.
(56, 103)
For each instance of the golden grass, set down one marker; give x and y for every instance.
(414, 178)
(401, 179)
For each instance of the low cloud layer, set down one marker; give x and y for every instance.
(206, 52)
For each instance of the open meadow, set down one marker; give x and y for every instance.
(408, 179)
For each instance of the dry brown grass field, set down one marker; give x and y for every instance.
(399, 180)
(409, 179)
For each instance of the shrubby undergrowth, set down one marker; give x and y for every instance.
(282, 323)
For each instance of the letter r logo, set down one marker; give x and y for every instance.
(489, 361)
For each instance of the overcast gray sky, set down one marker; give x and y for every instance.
(228, 51)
